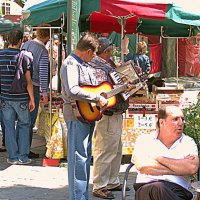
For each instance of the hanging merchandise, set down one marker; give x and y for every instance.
(56, 143)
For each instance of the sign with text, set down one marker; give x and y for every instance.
(145, 122)
(73, 14)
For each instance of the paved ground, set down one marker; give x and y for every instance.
(35, 182)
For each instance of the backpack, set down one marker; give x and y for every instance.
(19, 84)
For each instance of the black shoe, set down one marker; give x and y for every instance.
(3, 149)
(33, 155)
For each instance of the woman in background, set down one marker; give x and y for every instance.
(141, 59)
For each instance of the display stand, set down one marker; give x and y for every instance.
(141, 116)
(50, 110)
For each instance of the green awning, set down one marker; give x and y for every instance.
(47, 11)
(175, 21)
(7, 25)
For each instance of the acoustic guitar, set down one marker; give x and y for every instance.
(90, 112)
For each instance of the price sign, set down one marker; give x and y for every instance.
(145, 122)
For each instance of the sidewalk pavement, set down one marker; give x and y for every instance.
(35, 182)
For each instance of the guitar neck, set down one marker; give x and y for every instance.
(119, 89)
(115, 91)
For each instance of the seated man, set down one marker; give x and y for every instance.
(165, 159)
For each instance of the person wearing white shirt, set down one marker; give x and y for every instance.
(165, 159)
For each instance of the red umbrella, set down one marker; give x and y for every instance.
(106, 23)
(164, 13)
(144, 9)
(182, 12)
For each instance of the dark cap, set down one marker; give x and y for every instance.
(103, 44)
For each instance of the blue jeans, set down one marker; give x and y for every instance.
(79, 156)
(34, 113)
(17, 142)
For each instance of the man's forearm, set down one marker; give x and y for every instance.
(156, 171)
(180, 166)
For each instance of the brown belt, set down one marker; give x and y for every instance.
(117, 113)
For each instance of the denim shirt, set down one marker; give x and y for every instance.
(141, 60)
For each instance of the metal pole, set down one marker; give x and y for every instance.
(59, 61)
(122, 37)
(69, 26)
(177, 67)
(50, 77)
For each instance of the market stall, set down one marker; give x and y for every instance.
(142, 112)
(50, 122)
(169, 20)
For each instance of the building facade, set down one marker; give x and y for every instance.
(9, 7)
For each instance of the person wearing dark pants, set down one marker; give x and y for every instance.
(165, 159)
(162, 190)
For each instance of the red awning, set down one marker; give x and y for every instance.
(14, 18)
(143, 9)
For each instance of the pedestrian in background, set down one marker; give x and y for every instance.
(16, 106)
(140, 58)
(40, 73)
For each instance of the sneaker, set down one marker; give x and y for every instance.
(12, 162)
(28, 161)
(33, 155)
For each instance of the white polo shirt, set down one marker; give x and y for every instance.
(147, 147)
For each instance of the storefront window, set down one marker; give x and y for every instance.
(6, 8)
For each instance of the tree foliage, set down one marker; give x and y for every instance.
(192, 123)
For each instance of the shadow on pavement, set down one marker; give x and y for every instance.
(35, 182)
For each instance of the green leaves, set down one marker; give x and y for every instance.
(192, 123)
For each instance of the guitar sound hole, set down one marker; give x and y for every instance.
(98, 108)
(91, 108)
